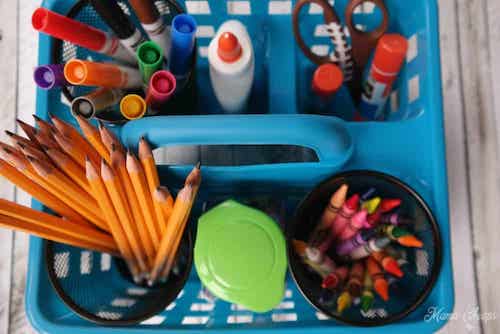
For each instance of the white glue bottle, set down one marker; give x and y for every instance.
(232, 62)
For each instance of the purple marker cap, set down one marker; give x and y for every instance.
(50, 76)
(161, 88)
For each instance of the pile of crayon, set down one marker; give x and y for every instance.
(103, 197)
(351, 249)
(143, 80)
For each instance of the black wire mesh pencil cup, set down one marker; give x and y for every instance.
(99, 287)
(420, 266)
(62, 51)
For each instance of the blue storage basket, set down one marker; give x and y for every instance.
(410, 146)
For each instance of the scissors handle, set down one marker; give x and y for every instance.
(363, 42)
(329, 16)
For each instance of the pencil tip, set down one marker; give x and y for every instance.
(36, 117)
(45, 147)
(21, 145)
(9, 133)
(30, 158)
(113, 147)
(198, 165)
(100, 124)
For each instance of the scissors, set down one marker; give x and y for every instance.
(351, 59)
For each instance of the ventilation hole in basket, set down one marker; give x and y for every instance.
(124, 7)
(180, 294)
(321, 316)
(412, 48)
(239, 8)
(236, 307)
(202, 307)
(61, 264)
(315, 9)
(123, 302)
(347, 33)
(203, 51)
(170, 307)
(288, 293)
(136, 291)
(205, 31)
(194, 320)
(284, 317)
(422, 262)
(239, 319)
(320, 50)
(64, 100)
(394, 101)
(414, 89)
(156, 320)
(162, 7)
(109, 315)
(361, 27)
(105, 262)
(287, 305)
(85, 262)
(198, 7)
(321, 30)
(280, 7)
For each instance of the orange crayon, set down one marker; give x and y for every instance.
(379, 282)
(355, 281)
(387, 262)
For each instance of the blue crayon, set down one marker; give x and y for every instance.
(183, 41)
(367, 195)
(358, 240)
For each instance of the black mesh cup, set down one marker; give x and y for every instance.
(183, 102)
(99, 288)
(420, 265)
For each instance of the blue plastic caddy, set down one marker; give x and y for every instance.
(409, 145)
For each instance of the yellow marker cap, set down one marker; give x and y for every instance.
(133, 106)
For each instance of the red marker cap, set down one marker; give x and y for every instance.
(229, 48)
(390, 53)
(327, 79)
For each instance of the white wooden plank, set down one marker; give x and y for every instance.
(481, 58)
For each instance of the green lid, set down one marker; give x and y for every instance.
(240, 256)
(150, 59)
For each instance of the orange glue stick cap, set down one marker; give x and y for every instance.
(390, 53)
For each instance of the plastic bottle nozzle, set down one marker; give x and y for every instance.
(229, 48)
(327, 79)
(132, 106)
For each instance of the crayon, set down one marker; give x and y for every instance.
(183, 41)
(133, 106)
(87, 73)
(387, 62)
(361, 238)
(394, 219)
(374, 219)
(300, 248)
(373, 245)
(161, 88)
(357, 222)
(367, 297)
(118, 21)
(50, 76)
(152, 22)
(389, 204)
(345, 214)
(344, 301)
(329, 213)
(355, 281)
(379, 282)
(410, 241)
(78, 33)
(368, 194)
(401, 235)
(150, 57)
(335, 278)
(323, 261)
(371, 205)
(88, 105)
(387, 262)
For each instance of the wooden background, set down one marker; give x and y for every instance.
(470, 50)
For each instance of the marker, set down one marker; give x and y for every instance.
(357, 222)
(360, 239)
(321, 260)
(88, 105)
(335, 278)
(152, 22)
(183, 41)
(118, 21)
(78, 33)
(395, 219)
(344, 301)
(150, 57)
(389, 204)
(87, 73)
(387, 262)
(133, 106)
(50, 76)
(367, 297)
(373, 245)
(355, 281)
(161, 88)
(371, 205)
(387, 62)
(331, 210)
(379, 282)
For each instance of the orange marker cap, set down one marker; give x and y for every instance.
(87, 73)
(327, 79)
(132, 106)
(229, 48)
(390, 53)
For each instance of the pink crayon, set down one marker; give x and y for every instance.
(357, 222)
(161, 88)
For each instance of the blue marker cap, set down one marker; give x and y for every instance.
(183, 40)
